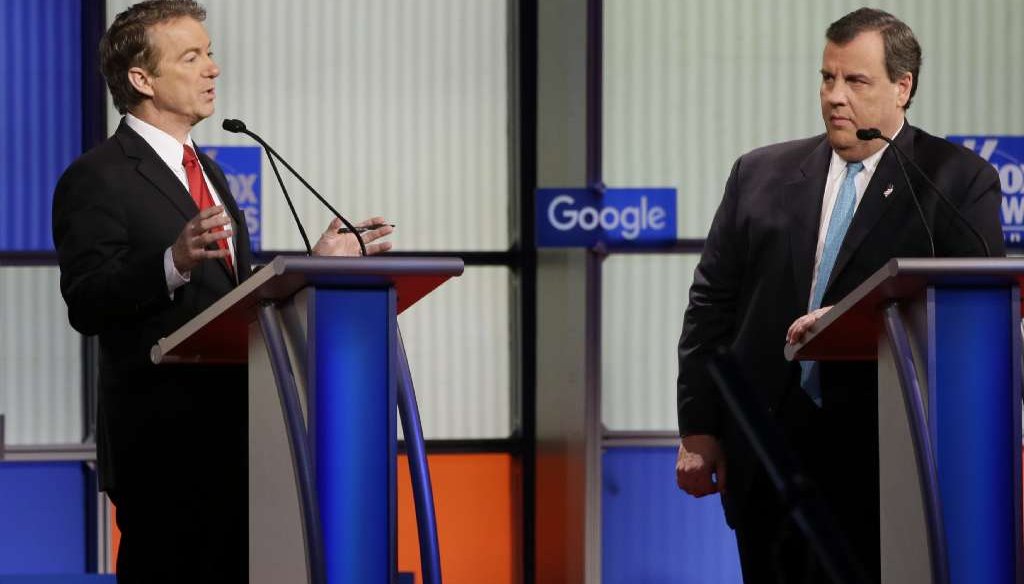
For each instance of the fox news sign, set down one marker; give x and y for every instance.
(616, 217)
(241, 166)
(1006, 155)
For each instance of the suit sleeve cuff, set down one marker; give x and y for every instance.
(174, 278)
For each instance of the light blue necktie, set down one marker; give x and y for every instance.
(838, 223)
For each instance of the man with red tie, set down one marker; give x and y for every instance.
(148, 236)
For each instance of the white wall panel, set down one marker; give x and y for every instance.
(459, 349)
(386, 106)
(641, 318)
(689, 86)
(396, 108)
(40, 360)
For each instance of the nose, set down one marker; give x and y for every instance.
(834, 93)
(213, 70)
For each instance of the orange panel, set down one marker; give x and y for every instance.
(115, 537)
(476, 499)
(476, 504)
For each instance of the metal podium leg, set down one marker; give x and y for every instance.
(924, 454)
(297, 440)
(423, 495)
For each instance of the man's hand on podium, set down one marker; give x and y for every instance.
(803, 324)
(699, 458)
(332, 243)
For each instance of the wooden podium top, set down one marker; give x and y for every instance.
(849, 331)
(220, 333)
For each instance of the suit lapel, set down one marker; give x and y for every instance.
(876, 201)
(155, 171)
(804, 198)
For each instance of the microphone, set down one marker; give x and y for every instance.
(862, 134)
(238, 127)
(875, 133)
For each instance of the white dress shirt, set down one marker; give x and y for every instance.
(171, 151)
(836, 175)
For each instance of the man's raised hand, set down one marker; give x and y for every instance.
(191, 248)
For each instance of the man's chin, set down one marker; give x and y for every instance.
(842, 139)
(202, 115)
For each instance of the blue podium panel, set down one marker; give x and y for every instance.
(42, 518)
(353, 425)
(653, 533)
(972, 401)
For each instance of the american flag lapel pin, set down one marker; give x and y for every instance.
(887, 191)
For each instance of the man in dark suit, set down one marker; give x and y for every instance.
(801, 224)
(148, 236)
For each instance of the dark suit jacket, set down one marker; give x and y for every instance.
(115, 211)
(754, 276)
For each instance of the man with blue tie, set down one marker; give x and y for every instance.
(801, 224)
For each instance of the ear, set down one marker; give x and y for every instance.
(903, 86)
(141, 81)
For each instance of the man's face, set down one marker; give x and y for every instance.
(856, 93)
(183, 88)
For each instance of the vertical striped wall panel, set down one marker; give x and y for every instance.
(397, 108)
(641, 317)
(459, 349)
(689, 86)
(386, 106)
(40, 360)
(40, 113)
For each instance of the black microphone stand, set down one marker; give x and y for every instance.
(237, 126)
(798, 494)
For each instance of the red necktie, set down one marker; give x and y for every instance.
(201, 193)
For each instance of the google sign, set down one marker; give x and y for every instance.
(584, 217)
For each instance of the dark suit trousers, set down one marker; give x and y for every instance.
(183, 508)
(837, 446)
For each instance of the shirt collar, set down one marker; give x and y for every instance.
(838, 165)
(166, 146)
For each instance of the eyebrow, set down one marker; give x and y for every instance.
(195, 49)
(854, 76)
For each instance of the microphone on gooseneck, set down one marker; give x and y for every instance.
(237, 126)
(875, 133)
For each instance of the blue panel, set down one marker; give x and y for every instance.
(972, 417)
(40, 105)
(654, 533)
(355, 434)
(59, 579)
(42, 518)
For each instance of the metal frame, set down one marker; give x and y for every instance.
(419, 470)
(298, 442)
(924, 455)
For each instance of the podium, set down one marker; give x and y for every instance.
(327, 371)
(947, 337)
